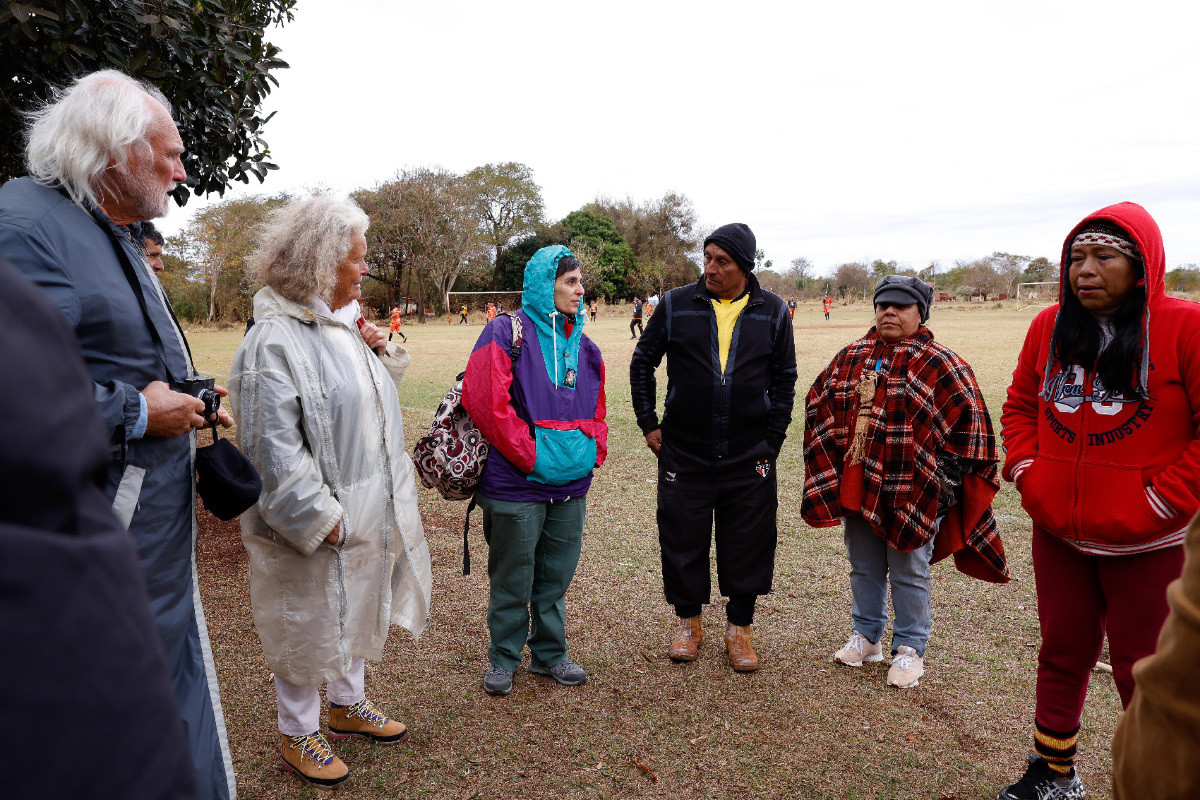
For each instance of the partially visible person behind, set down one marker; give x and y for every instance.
(80, 642)
(152, 246)
(394, 326)
(791, 308)
(544, 416)
(637, 318)
(1100, 427)
(337, 551)
(731, 383)
(592, 310)
(1156, 749)
(899, 448)
(103, 155)
(491, 311)
(651, 304)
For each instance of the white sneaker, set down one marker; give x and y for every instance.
(858, 650)
(907, 668)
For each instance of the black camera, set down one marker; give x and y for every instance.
(202, 389)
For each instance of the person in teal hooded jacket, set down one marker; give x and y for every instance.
(542, 412)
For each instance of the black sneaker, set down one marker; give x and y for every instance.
(568, 673)
(1042, 783)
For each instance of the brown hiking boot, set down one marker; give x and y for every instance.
(737, 646)
(361, 719)
(686, 646)
(311, 757)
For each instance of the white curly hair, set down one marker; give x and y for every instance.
(301, 245)
(91, 125)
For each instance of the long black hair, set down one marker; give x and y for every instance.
(1076, 338)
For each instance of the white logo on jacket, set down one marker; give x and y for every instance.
(1066, 392)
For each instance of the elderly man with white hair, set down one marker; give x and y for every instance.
(102, 155)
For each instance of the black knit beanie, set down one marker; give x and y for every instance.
(738, 240)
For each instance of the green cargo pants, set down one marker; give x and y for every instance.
(533, 551)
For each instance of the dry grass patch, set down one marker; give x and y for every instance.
(799, 728)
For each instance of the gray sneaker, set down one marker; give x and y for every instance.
(568, 673)
(497, 681)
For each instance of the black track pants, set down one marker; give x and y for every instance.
(739, 495)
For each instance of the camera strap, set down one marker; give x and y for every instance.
(131, 275)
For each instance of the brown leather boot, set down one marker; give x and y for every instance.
(311, 757)
(737, 646)
(362, 719)
(686, 646)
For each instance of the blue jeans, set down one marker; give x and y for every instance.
(874, 564)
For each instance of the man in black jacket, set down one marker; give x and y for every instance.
(731, 382)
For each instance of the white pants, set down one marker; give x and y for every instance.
(300, 706)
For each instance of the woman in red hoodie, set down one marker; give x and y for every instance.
(1100, 426)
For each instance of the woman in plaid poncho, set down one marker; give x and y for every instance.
(899, 447)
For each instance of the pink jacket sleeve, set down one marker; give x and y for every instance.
(487, 398)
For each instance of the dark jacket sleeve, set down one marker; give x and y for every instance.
(72, 599)
(118, 402)
(782, 392)
(648, 354)
(1155, 746)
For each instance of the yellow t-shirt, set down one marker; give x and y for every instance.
(727, 312)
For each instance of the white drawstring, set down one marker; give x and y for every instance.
(554, 339)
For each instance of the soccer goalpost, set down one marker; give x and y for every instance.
(479, 301)
(1033, 294)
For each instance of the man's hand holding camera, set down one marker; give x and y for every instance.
(171, 413)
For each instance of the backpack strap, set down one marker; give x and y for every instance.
(514, 353)
(466, 530)
(518, 329)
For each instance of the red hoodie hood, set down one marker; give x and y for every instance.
(1144, 232)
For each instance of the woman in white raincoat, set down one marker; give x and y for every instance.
(337, 551)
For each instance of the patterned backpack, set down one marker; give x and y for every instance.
(451, 457)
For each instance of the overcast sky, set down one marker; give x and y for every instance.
(837, 131)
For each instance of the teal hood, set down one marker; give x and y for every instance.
(560, 352)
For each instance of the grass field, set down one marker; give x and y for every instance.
(643, 726)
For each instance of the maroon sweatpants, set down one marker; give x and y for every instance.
(1079, 596)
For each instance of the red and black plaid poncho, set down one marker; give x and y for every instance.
(929, 403)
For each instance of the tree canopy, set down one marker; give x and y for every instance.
(213, 249)
(661, 235)
(427, 219)
(209, 57)
(509, 202)
(600, 237)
